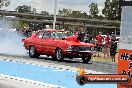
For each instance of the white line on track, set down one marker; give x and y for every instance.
(45, 64)
(31, 81)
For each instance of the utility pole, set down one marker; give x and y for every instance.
(55, 6)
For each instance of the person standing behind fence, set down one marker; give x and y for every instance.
(99, 44)
(107, 45)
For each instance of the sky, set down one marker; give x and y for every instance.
(48, 5)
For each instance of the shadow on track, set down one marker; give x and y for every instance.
(66, 60)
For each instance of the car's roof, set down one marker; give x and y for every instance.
(52, 30)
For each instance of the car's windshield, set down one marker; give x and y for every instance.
(68, 34)
(60, 35)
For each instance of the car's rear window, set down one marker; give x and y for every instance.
(58, 35)
(40, 34)
(47, 35)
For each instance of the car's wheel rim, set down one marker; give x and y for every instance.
(32, 51)
(58, 54)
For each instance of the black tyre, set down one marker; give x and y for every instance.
(53, 58)
(86, 59)
(70, 57)
(33, 52)
(59, 55)
(80, 80)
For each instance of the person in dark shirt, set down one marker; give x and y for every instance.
(113, 47)
(81, 34)
(88, 38)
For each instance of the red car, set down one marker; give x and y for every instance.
(58, 45)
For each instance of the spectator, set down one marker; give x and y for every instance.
(81, 34)
(99, 44)
(107, 45)
(113, 47)
(113, 36)
(88, 38)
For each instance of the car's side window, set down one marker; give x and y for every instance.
(47, 35)
(53, 35)
(40, 34)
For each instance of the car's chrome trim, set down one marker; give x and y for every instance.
(81, 51)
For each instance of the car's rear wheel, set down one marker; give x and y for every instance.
(86, 59)
(59, 55)
(33, 52)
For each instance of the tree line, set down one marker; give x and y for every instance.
(111, 10)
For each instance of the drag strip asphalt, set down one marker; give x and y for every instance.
(54, 76)
(110, 68)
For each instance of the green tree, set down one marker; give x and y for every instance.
(64, 12)
(15, 24)
(115, 10)
(72, 13)
(107, 10)
(34, 11)
(24, 9)
(76, 14)
(84, 15)
(4, 3)
(111, 10)
(44, 13)
(23, 24)
(100, 17)
(79, 14)
(94, 11)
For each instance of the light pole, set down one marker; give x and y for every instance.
(55, 6)
(4, 4)
(3, 15)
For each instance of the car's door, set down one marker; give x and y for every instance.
(47, 42)
(37, 41)
(54, 42)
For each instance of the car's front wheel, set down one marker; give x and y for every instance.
(33, 52)
(59, 55)
(86, 59)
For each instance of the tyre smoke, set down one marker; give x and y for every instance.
(11, 41)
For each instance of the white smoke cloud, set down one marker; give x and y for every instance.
(10, 41)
